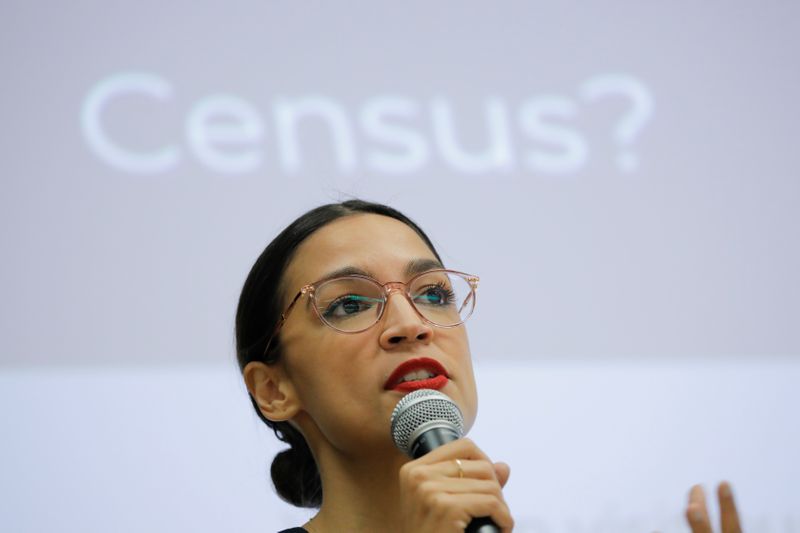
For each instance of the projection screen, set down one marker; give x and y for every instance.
(622, 176)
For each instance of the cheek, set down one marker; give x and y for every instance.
(335, 370)
(340, 389)
(456, 346)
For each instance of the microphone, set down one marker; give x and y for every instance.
(424, 420)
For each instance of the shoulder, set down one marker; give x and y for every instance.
(294, 530)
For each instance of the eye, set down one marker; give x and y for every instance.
(438, 294)
(348, 305)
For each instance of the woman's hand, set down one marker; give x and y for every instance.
(445, 489)
(697, 512)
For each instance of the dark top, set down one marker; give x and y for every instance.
(294, 530)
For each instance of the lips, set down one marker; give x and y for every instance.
(414, 374)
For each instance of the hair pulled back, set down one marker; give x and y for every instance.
(294, 471)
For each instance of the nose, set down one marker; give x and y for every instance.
(402, 325)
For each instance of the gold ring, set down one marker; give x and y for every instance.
(460, 469)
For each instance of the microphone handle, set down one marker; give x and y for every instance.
(433, 438)
(430, 440)
(483, 524)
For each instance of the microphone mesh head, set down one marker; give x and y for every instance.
(419, 407)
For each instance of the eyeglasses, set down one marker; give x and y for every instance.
(355, 303)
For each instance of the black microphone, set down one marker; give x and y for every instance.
(424, 420)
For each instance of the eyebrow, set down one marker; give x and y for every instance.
(413, 267)
(416, 266)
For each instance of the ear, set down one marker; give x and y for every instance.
(272, 390)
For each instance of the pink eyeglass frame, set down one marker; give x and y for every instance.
(388, 288)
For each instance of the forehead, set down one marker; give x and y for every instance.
(377, 244)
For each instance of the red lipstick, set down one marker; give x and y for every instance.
(437, 381)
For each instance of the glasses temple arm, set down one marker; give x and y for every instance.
(283, 318)
(466, 301)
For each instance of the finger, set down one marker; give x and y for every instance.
(463, 468)
(478, 505)
(697, 512)
(464, 486)
(502, 471)
(729, 517)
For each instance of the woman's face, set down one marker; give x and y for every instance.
(340, 379)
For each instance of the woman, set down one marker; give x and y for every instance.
(343, 313)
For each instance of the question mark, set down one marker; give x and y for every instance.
(632, 122)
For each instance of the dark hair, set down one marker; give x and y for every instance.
(294, 471)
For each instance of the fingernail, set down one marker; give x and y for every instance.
(725, 490)
(697, 515)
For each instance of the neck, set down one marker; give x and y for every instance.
(359, 493)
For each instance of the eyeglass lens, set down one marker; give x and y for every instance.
(354, 304)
